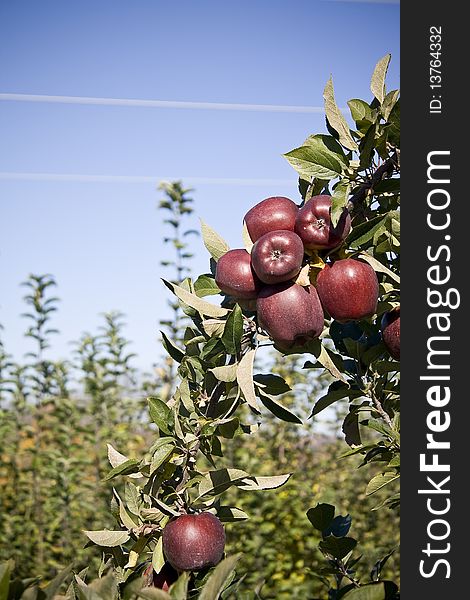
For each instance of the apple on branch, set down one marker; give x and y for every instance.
(194, 542)
(348, 290)
(235, 276)
(391, 332)
(272, 214)
(313, 224)
(291, 314)
(277, 256)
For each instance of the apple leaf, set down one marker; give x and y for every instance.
(216, 245)
(380, 590)
(336, 391)
(377, 83)
(378, 266)
(361, 111)
(126, 468)
(160, 414)
(389, 102)
(247, 241)
(272, 384)
(321, 515)
(380, 481)
(179, 589)
(321, 157)
(171, 348)
(339, 199)
(264, 483)
(230, 514)
(205, 285)
(278, 410)
(193, 301)
(152, 593)
(233, 331)
(219, 578)
(337, 547)
(245, 379)
(108, 538)
(336, 118)
(217, 482)
(325, 359)
(226, 373)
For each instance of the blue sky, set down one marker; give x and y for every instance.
(102, 240)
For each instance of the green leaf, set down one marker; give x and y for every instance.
(380, 481)
(272, 384)
(126, 468)
(389, 103)
(233, 331)
(106, 587)
(52, 588)
(339, 199)
(363, 233)
(278, 410)
(245, 379)
(264, 483)
(372, 591)
(107, 538)
(361, 111)
(205, 285)
(216, 245)
(218, 578)
(172, 349)
(321, 156)
(230, 514)
(160, 456)
(377, 83)
(158, 558)
(85, 592)
(216, 482)
(193, 301)
(6, 570)
(324, 358)
(378, 266)
(336, 391)
(226, 373)
(179, 589)
(337, 547)
(336, 119)
(160, 414)
(321, 516)
(366, 148)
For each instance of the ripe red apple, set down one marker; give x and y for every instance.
(313, 224)
(271, 214)
(348, 290)
(194, 542)
(161, 580)
(277, 256)
(291, 314)
(235, 276)
(391, 332)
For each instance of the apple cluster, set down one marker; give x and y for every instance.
(283, 237)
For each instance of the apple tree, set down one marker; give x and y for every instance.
(316, 278)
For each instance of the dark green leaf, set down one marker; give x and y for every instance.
(205, 285)
(160, 414)
(233, 331)
(321, 516)
(125, 468)
(337, 547)
(278, 410)
(272, 384)
(171, 348)
(219, 578)
(321, 156)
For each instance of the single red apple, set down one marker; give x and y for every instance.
(161, 580)
(391, 332)
(271, 214)
(348, 290)
(194, 542)
(291, 314)
(313, 224)
(235, 276)
(277, 256)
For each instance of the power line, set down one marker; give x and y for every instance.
(42, 98)
(153, 179)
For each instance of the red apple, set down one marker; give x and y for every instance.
(161, 580)
(391, 332)
(234, 275)
(348, 290)
(194, 542)
(277, 256)
(271, 214)
(313, 224)
(291, 314)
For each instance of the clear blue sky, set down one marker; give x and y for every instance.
(103, 240)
